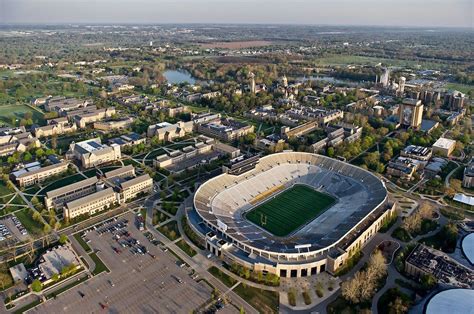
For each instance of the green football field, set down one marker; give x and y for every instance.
(289, 210)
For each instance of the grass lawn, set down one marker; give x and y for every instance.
(186, 248)
(463, 88)
(226, 279)
(67, 287)
(18, 200)
(33, 227)
(10, 112)
(63, 182)
(264, 300)
(170, 230)
(3, 189)
(341, 306)
(28, 307)
(99, 265)
(83, 243)
(289, 210)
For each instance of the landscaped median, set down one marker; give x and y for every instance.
(264, 300)
(99, 265)
(84, 245)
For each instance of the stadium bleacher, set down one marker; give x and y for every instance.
(227, 198)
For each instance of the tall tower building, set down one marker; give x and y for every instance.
(252, 82)
(401, 85)
(411, 113)
(284, 81)
(385, 78)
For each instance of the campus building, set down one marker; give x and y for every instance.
(58, 197)
(417, 152)
(33, 173)
(54, 127)
(91, 116)
(225, 129)
(444, 146)
(468, 177)
(130, 189)
(90, 204)
(411, 113)
(62, 104)
(16, 140)
(165, 131)
(108, 126)
(402, 168)
(92, 152)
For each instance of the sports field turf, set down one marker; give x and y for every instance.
(289, 210)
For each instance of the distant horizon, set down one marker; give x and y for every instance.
(426, 27)
(378, 13)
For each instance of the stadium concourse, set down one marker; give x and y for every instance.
(322, 243)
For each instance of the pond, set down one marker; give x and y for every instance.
(178, 77)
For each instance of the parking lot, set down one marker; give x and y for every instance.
(12, 230)
(142, 278)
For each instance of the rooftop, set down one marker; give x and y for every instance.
(444, 143)
(72, 187)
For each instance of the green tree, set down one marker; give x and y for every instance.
(63, 239)
(36, 285)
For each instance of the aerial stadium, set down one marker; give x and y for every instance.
(293, 214)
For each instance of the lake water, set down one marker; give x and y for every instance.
(178, 77)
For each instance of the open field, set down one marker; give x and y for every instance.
(463, 88)
(236, 44)
(289, 210)
(354, 59)
(10, 112)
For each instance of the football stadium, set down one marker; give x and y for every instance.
(293, 214)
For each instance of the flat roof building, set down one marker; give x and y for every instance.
(417, 152)
(56, 198)
(33, 175)
(468, 176)
(128, 190)
(90, 204)
(444, 146)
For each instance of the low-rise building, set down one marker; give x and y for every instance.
(427, 261)
(33, 175)
(444, 146)
(54, 127)
(91, 116)
(402, 167)
(225, 129)
(468, 177)
(92, 152)
(167, 132)
(127, 140)
(132, 188)
(16, 140)
(108, 126)
(62, 104)
(90, 204)
(122, 173)
(417, 152)
(58, 197)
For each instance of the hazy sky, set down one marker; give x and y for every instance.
(451, 13)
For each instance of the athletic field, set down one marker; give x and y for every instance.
(289, 210)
